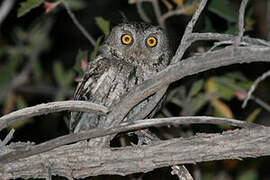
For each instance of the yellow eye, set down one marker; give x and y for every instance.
(151, 41)
(126, 39)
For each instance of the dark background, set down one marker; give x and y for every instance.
(62, 45)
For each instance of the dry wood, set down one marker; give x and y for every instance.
(78, 160)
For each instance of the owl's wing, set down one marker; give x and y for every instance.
(105, 81)
(84, 91)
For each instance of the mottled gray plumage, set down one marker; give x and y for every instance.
(119, 67)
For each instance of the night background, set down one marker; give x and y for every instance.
(42, 54)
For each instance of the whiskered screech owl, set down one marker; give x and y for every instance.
(132, 53)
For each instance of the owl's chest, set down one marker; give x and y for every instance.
(113, 83)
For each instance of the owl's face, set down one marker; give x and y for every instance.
(140, 44)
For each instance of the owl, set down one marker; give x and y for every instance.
(132, 53)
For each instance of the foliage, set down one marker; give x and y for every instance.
(27, 6)
(54, 71)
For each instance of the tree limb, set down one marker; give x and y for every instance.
(51, 107)
(94, 133)
(189, 66)
(79, 161)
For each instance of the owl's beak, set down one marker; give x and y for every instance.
(137, 53)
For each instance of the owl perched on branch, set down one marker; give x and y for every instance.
(132, 53)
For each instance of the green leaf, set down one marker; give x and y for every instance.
(208, 27)
(232, 30)
(20, 102)
(81, 55)
(237, 75)
(58, 73)
(245, 85)
(196, 87)
(76, 4)
(222, 108)
(27, 6)
(95, 51)
(8, 69)
(221, 8)
(63, 78)
(59, 97)
(68, 80)
(197, 102)
(37, 71)
(253, 115)
(250, 20)
(104, 25)
(248, 175)
(223, 91)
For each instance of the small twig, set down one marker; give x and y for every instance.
(184, 44)
(51, 107)
(244, 92)
(141, 12)
(224, 37)
(7, 138)
(254, 85)
(241, 22)
(268, 19)
(178, 11)
(5, 9)
(181, 172)
(22, 77)
(77, 23)
(49, 173)
(44, 90)
(158, 13)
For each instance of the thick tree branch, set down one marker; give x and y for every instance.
(79, 161)
(51, 107)
(71, 138)
(190, 66)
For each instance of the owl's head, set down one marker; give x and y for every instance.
(140, 44)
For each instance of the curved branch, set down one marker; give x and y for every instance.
(178, 11)
(51, 107)
(192, 65)
(71, 138)
(79, 161)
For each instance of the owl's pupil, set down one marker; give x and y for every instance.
(151, 41)
(127, 39)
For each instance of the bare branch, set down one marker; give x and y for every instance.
(241, 21)
(181, 172)
(51, 107)
(79, 161)
(244, 92)
(192, 65)
(178, 11)
(4, 9)
(224, 37)
(94, 133)
(141, 12)
(22, 77)
(188, 31)
(268, 19)
(254, 85)
(158, 12)
(7, 138)
(77, 23)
